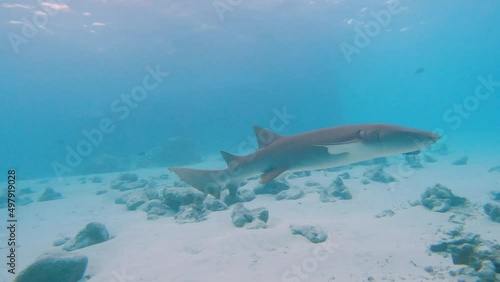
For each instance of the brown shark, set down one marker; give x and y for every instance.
(318, 149)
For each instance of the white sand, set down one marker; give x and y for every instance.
(359, 244)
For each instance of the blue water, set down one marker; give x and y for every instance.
(231, 69)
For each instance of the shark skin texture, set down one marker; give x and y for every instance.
(317, 149)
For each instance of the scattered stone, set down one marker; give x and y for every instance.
(133, 185)
(152, 184)
(134, 202)
(376, 161)
(336, 190)
(272, 187)
(93, 233)
(25, 191)
(151, 193)
(315, 234)
(126, 177)
(24, 201)
(96, 179)
(480, 255)
(128, 181)
(213, 204)
(453, 233)
(439, 148)
(51, 267)
(100, 192)
(181, 184)
(472, 239)
(152, 217)
(414, 203)
(60, 241)
(155, 207)
(122, 199)
(495, 195)
(413, 161)
(82, 179)
(175, 197)
(311, 183)
(464, 254)
(430, 159)
(440, 199)
(341, 168)
(293, 193)
(487, 271)
(429, 269)
(242, 196)
(378, 174)
(242, 216)
(493, 211)
(457, 218)
(164, 176)
(299, 174)
(49, 194)
(495, 168)
(345, 175)
(462, 161)
(365, 181)
(385, 213)
(191, 213)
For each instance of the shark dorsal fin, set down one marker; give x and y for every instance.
(229, 158)
(265, 137)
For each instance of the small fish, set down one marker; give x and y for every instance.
(419, 70)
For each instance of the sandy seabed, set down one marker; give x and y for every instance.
(360, 246)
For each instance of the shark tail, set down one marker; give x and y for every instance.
(207, 181)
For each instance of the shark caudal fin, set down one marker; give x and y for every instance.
(207, 181)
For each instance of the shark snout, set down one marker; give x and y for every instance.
(427, 138)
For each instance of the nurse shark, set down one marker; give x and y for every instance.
(317, 149)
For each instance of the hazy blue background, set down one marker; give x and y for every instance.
(227, 75)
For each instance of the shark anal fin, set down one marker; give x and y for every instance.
(271, 174)
(265, 137)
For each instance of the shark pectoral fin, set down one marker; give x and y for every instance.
(233, 188)
(342, 147)
(413, 153)
(271, 174)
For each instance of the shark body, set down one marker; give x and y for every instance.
(318, 149)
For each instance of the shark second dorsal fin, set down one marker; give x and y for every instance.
(265, 137)
(229, 158)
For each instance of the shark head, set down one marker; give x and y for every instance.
(392, 139)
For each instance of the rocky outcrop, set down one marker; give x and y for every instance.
(336, 191)
(52, 267)
(440, 199)
(315, 234)
(49, 195)
(251, 219)
(378, 174)
(93, 233)
(272, 187)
